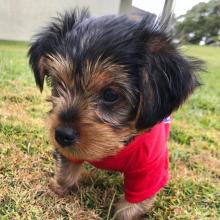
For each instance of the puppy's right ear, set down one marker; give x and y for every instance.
(37, 63)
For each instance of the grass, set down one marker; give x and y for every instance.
(26, 162)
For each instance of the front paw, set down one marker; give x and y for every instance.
(133, 211)
(57, 188)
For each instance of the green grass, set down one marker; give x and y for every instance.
(26, 163)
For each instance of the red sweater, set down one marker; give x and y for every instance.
(144, 162)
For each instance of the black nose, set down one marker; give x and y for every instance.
(65, 136)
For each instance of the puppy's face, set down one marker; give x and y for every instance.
(111, 78)
(93, 111)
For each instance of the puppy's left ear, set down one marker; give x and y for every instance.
(166, 80)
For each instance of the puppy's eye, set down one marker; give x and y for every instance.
(110, 96)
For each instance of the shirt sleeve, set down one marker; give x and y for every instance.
(144, 183)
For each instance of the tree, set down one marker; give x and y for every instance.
(203, 20)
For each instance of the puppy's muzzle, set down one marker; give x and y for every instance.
(65, 136)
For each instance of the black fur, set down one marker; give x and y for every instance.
(162, 77)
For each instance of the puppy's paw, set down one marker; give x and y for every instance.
(132, 211)
(57, 188)
(128, 214)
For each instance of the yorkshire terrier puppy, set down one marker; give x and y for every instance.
(114, 83)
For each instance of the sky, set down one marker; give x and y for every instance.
(156, 6)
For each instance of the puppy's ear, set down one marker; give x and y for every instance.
(37, 63)
(50, 41)
(167, 77)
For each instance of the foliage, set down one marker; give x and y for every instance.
(203, 20)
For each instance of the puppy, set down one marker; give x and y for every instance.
(114, 84)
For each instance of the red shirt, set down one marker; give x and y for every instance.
(144, 162)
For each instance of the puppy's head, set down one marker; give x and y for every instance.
(111, 78)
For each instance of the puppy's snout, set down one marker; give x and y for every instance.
(65, 136)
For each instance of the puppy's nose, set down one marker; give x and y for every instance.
(65, 136)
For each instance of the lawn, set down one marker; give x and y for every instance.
(26, 162)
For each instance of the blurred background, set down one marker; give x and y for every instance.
(195, 21)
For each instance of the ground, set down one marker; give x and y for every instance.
(26, 163)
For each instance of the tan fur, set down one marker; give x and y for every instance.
(132, 211)
(60, 68)
(103, 73)
(66, 175)
(91, 147)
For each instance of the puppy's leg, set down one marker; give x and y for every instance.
(132, 211)
(66, 175)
